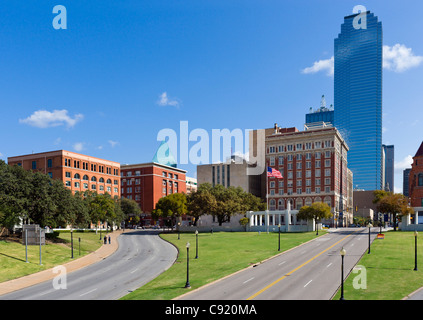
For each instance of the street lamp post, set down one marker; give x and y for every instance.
(187, 285)
(343, 252)
(72, 242)
(179, 226)
(196, 244)
(279, 248)
(415, 250)
(370, 225)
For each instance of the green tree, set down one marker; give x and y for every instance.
(317, 211)
(171, 206)
(130, 208)
(201, 202)
(392, 203)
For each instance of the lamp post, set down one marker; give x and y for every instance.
(72, 242)
(370, 225)
(342, 252)
(279, 247)
(179, 225)
(196, 244)
(415, 250)
(187, 285)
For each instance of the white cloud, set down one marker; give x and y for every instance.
(321, 65)
(113, 143)
(403, 164)
(79, 146)
(399, 58)
(45, 119)
(164, 100)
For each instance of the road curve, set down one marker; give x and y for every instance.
(142, 255)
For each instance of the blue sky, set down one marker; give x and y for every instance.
(124, 70)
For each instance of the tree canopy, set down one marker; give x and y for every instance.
(31, 196)
(392, 203)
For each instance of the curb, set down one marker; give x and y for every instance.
(26, 281)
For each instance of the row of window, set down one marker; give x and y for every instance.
(301, 146)
(299, 165)
(93, 186)
(299, 156)
(317, 182)
(308, 190)
(87, 166)
(93, 178)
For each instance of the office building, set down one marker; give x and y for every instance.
(230, 173)
(416, 181)
(146, 183)
(313, 164)
(405, 182)
(77, 171)
(319, 115)
(388, 166)
(358, 97)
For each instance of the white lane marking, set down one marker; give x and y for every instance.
(281, 263)
(329, 265)
(308, 283)
(134, 270)
(88, 292)
(248, 280)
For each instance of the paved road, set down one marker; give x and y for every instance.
(311, 271)
(141, 256)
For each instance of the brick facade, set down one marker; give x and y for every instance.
(416, 179)
(148, 182)
(77, 171)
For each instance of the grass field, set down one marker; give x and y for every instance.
(12, 254)
(388, 269)
(219, 254)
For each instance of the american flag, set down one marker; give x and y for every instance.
(274, 173)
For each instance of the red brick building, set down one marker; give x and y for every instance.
(77, 171)
(313, 164)
(416, 179)
(146, 183)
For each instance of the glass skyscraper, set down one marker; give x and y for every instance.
(358, 97)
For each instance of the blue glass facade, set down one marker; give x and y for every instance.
(358, 98)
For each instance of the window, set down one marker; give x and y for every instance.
(49, 163)
(299, 146)
(299, 165)
(50, 174)
(299, 190)
(109, 181)
(327, 172)
(317, 145)
(67, 174)
(85, 185)
(272, 149)
(101, 180)
(94, 179)
(317, 163)
(272, 161)
(420, 180)
(280, 148)
(280, 161)
(272, 184)
(299, 157)
(289, 147)
(77, 176)
(327, 154)
(93, 187)
(34, 165)
(76, 184)
(85, 177)
(68, 183)
(327, 163)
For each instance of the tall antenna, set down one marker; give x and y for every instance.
(323, 102)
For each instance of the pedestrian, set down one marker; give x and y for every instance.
(109, 239)
(105, 240)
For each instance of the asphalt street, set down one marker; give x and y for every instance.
(142, 255)
(311, 271)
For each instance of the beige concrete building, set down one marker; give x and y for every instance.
(230, 173)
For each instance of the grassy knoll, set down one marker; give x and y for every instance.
(389, 269)
(12, 254)
(220, 254)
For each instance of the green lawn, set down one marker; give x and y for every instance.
(12, 254)
(388, 269)
(219, 254)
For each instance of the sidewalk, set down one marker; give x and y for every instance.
(103, 252)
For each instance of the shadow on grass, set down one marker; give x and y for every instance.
(6, 255)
